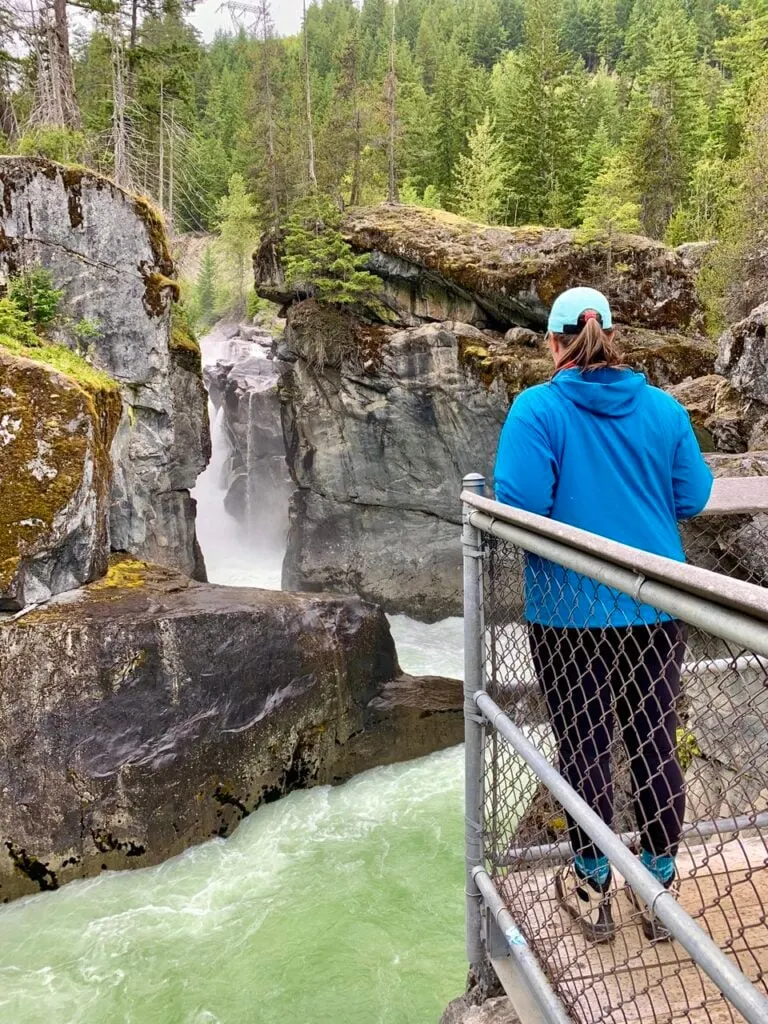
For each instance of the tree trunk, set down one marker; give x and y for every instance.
(355, 197)
(122, 168)
(310, 134)
(61, 66)
(392, 193)
(264, 18)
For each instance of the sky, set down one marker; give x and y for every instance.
(208, 18)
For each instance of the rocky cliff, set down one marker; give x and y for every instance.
(148, 712)
(383, 416)
(109, 253)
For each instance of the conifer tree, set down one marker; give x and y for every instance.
(480, 183)
(318, 262)
(238, 233)
(205, 290)
(611, 204)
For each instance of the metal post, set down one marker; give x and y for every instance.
(737, 988)
(474, 670)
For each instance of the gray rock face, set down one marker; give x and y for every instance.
(154, 712)
(378, 455)
(109, 253)
(404, 560)
(243, 385)
(381, 423)
(743, 355)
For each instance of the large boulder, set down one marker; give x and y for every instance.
(55, 475)
(380, 426)
(378, 439)
(153, 712)
(441, 267)
(386, 409)
(108, 251)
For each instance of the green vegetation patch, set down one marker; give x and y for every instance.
(19, 339)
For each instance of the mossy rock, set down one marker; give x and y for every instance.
(55, 473)
(514, 274)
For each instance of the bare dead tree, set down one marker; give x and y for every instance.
(392, 193)
(308, 90)
(55, 100)
(122, 168)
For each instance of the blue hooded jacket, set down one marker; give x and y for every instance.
(607, 452)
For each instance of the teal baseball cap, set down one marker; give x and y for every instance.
(568, 308)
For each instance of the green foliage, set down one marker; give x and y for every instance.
(54, 142)
(86, 331)
(15, 324)
(34, 294)
(18, 336)
(480, 186)
(238, 234)
(318, 262)
(568, 84)
(204, 302)
(611, 204)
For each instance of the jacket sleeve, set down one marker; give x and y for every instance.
(691, 476)
(526, 467)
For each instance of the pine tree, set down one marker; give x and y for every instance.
(533, 115)
(611, 204)
(318, 262)
(205, 290)
(668, 119)
(238, 233)
(480, 182)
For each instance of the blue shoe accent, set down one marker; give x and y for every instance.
(661, 867)
(596, 869)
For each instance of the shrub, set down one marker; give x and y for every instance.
(34, 294)
(54, 142)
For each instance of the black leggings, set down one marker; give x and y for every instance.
(632, 672)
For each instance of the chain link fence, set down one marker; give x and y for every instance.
(663, 729)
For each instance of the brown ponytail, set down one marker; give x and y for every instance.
(591, 349)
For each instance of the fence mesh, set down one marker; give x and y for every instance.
(663, 729)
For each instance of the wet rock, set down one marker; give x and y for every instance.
(493, 1011)
(718, 408)
(380, 426)
(154, 712)
(743, 355)
(406, 561)
(55, 477)
(378, 439)
(108, 251)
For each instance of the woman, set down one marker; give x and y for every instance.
(598, 448)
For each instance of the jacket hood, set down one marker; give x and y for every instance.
(606, 392)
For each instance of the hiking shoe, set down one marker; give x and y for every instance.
(587, 903)
(653, 929)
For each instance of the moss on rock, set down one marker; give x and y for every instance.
(514, 274)
(56, 426)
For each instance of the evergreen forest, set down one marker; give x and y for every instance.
(644, 116)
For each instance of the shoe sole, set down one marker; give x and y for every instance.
(654, 931)
(595, 933)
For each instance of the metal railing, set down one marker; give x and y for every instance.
(582, 737)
